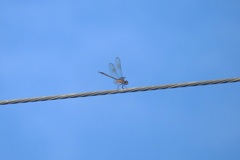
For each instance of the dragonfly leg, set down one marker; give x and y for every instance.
(119, 86)
(124, 87)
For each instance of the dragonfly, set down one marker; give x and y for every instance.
(116, 74)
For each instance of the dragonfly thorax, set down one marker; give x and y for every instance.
(125, 82)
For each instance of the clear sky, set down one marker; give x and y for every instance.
(52, 47)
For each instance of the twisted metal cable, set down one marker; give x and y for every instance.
(137, 89)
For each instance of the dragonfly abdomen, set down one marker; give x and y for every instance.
(107, 75)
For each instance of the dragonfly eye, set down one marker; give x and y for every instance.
(126, 82)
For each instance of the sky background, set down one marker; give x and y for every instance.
(52, 47)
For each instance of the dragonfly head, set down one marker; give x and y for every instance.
(124, 82)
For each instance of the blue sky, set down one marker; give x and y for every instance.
(57, 47)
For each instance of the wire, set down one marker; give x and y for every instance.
(137, 89)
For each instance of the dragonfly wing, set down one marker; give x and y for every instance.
(113, 71)
(118, 67)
